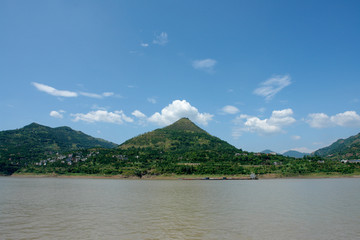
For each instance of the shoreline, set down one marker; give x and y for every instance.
(184, 177)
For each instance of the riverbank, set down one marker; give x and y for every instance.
(177, 177)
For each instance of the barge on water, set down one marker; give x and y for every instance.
(252, 177)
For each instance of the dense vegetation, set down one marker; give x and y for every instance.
(348, 148)
(35, 142)
(138, 162)
(181, 148)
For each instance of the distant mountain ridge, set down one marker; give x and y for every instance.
(290, 153)
(34, 140)
(268, 151)
(295, 154)
(348, 148)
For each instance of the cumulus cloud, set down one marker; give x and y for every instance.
(138, 114)
(117, 117)
(282, 117)
(52, 91)
(345, 119)
(179, 109)
(230, 109)
(318, 120)
(204, 64)
(161, 39)
(57, 114)
(275, 124)
(272, 86)
(141, 117)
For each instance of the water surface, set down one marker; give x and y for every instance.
(54, 208)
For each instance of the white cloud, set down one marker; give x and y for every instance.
(152, 100)
(52, 91)
(138, 114)
(230, 90)
(141, 117)
(95, 95)
(268, 126)
(262, 110)
(230, 109)
(345, 119)
(97, 107)
(205, 64)
(282, 117)
(91, 95)
(272, 86)
(57, 114)
(65, 93)
(161, 39)
(318, 120)
(144, 44)
(117, 117)
(295, 137)
(108, 94)
(179, 109)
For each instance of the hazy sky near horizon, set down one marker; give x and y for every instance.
(263, 74)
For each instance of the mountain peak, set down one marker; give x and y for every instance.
(295, 154)
(184, 124)
(182, 136)
(34, 125)
(267, 151)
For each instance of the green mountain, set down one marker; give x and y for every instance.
(34, 141)
(180, 137)
(348, 148)
(181, 148)
(290, 153)
(267, 151)
(295, 154)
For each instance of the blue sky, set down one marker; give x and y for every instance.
(261, 75)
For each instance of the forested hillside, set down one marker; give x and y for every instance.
(34, 142)
(182, 149)
(348, 148)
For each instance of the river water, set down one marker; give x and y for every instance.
(63, 208)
